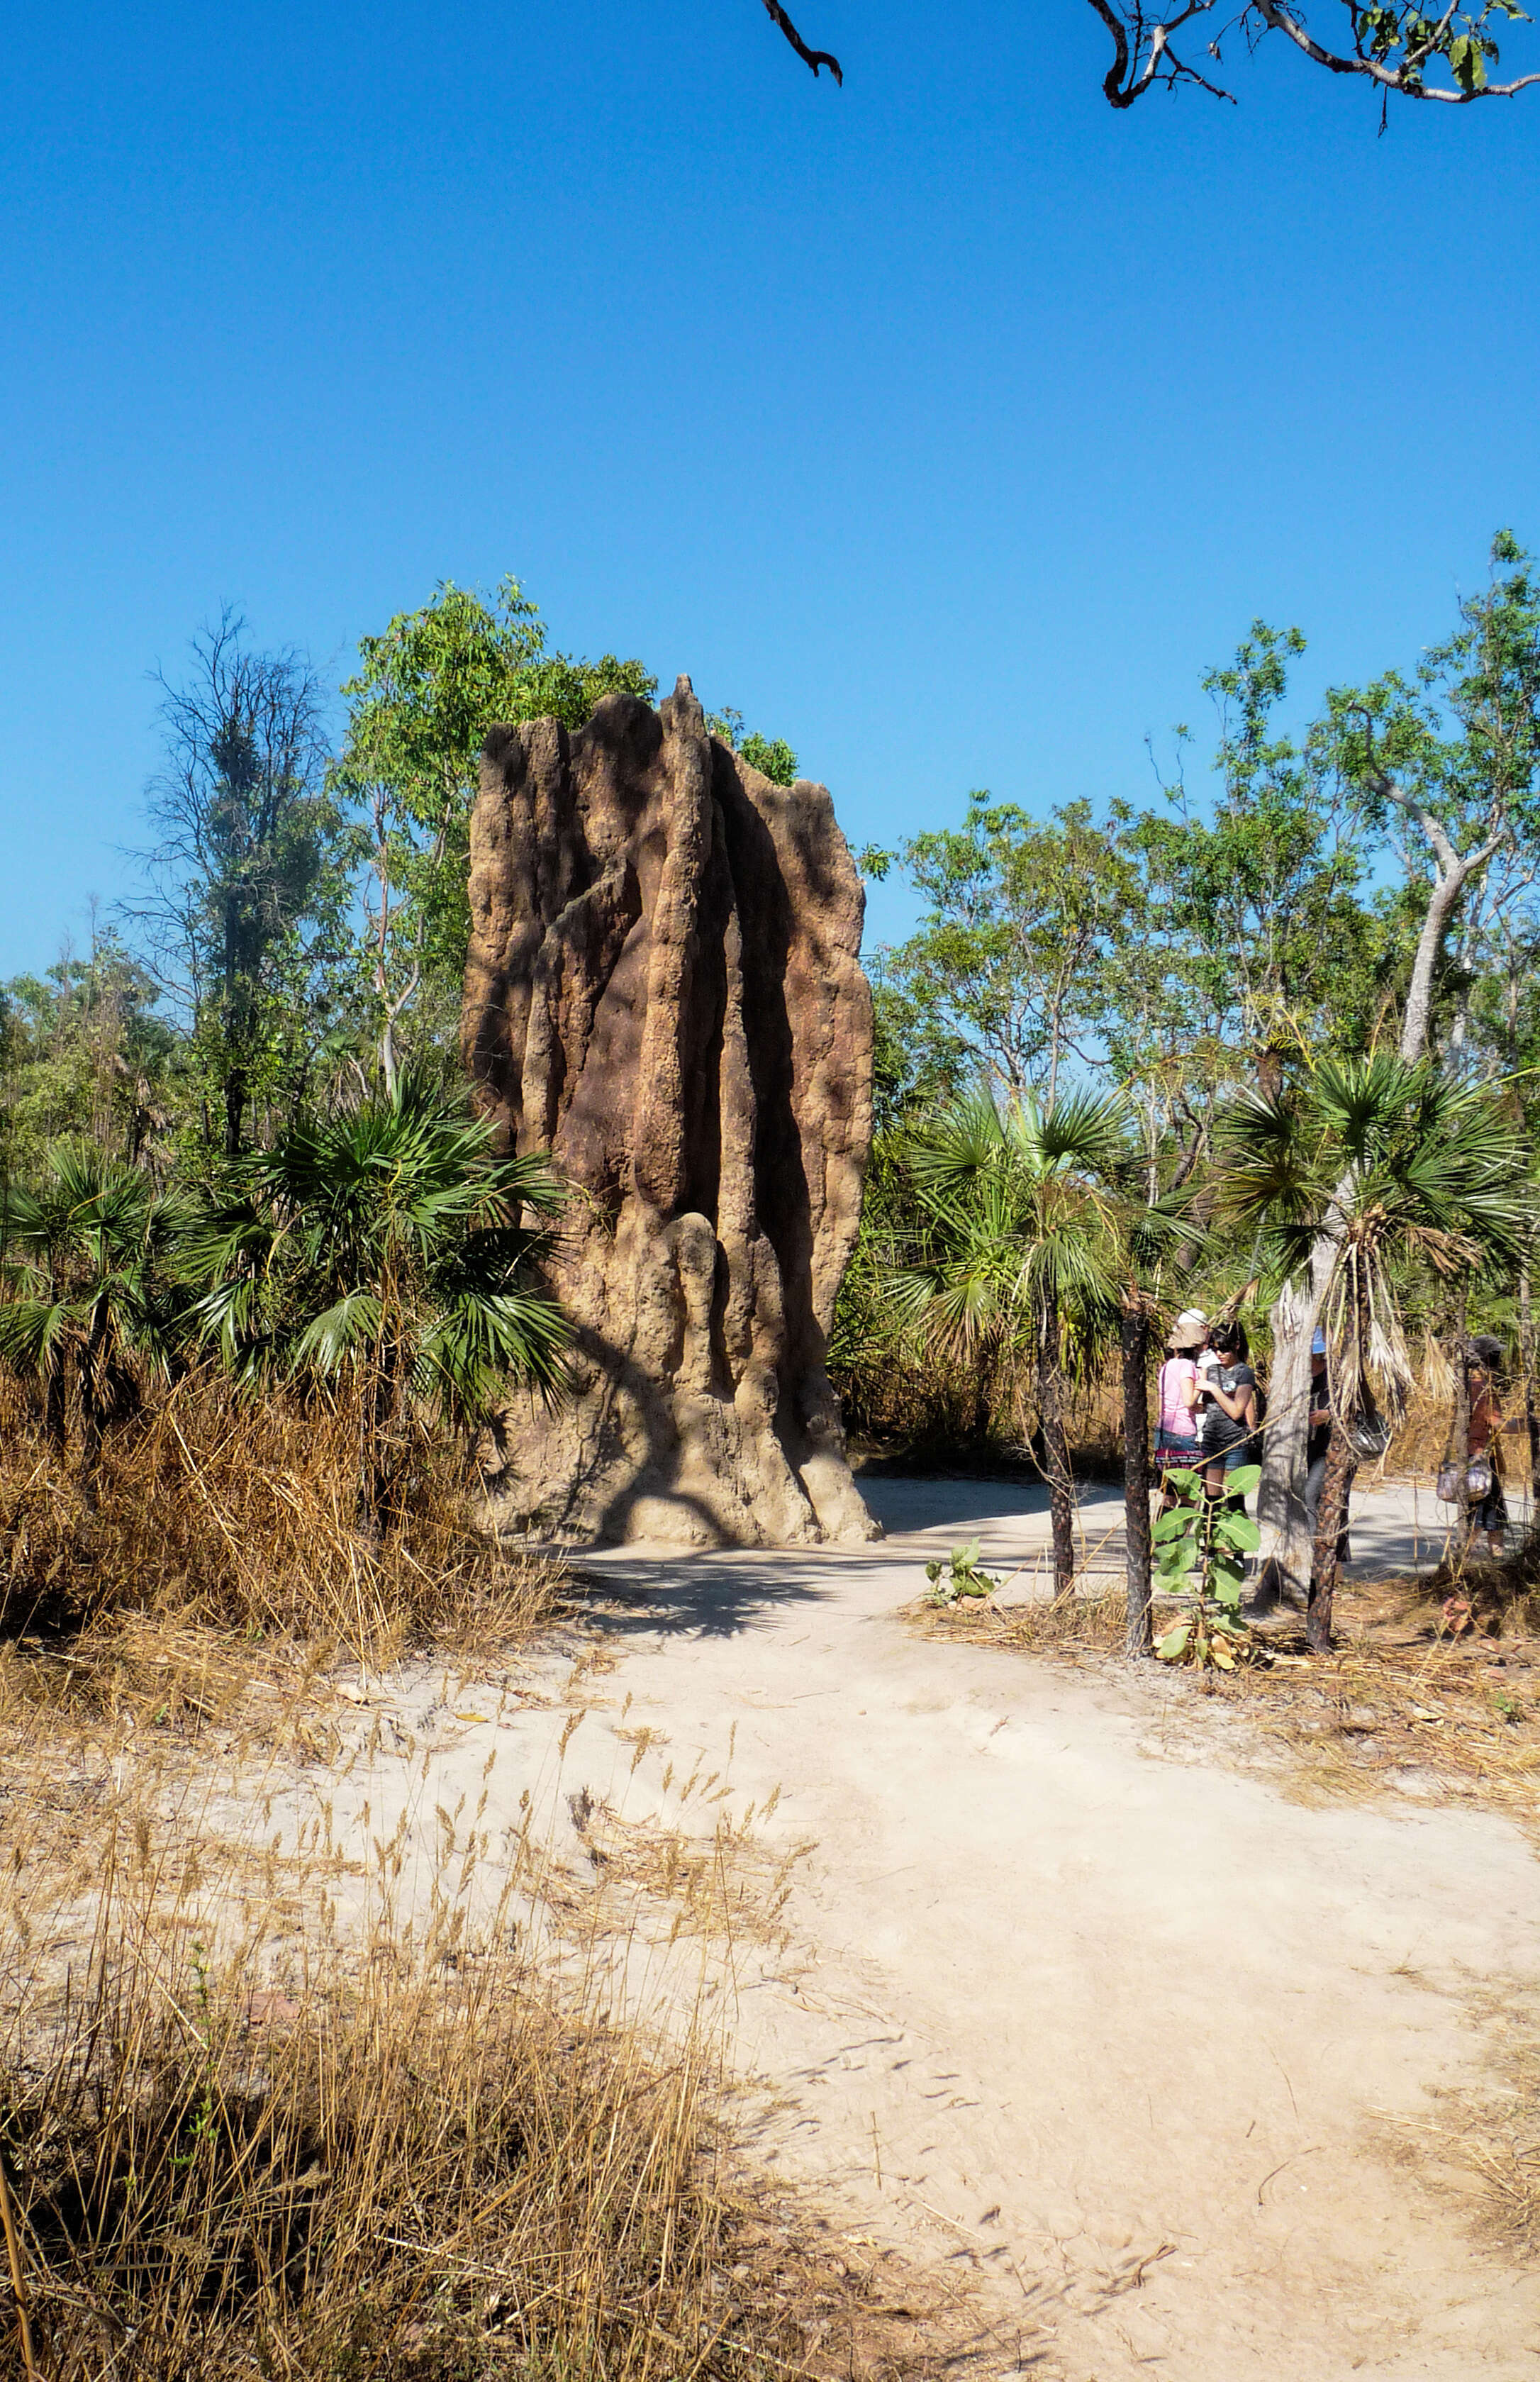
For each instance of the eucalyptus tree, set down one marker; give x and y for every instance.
(1392, 45)
(771, 756)
(1446, 764)
(1016, 1257)
(92, 1316)
(390, 1251)
(1026, 924)
(1367, 1170)
(243, 885)
(426, 691)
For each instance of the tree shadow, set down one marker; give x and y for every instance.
(636, 1592)
(633, 1591)
(904, 1502)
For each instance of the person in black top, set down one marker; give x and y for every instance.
(1227, 1387)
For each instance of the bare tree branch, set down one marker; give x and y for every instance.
(814, 58)
(1147, 57)
(1405, 79)
(1143, 56)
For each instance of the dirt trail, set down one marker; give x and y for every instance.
(1066, 1999)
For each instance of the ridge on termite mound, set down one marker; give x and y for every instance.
(663, 989)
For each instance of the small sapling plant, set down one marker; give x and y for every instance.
(1201, 1545)
(960, 1575)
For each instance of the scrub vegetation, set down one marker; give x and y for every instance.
(1267, 1046)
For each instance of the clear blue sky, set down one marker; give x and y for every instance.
(948, 425)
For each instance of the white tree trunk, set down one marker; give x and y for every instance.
(1283, 1564)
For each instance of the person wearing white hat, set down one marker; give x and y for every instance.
(1177, 1438)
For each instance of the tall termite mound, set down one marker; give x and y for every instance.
(664, 990)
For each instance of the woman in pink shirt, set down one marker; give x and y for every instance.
(1176, 1444)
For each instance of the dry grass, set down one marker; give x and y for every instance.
(221, 1552)
(421, 2150)
(271, 2104)
(1090, 1623)
(1490, 2138)
(1404, 1702)
(732, 1887)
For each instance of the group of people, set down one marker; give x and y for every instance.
(1210, 1404)
(1211, 1415)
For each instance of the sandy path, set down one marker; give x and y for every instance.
(1064, 1996)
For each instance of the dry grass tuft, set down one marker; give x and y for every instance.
(732, 1887)
(221, 1538)
(411, 2163)
(421, 2142)
(1092, 1622)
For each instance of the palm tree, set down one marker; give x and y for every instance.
(1018, 1256)
(91, 1306)
(388, 1249)
(1393, 1168)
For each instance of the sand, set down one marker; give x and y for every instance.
(1066, 1999)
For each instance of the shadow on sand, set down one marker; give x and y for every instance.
(638, 1592)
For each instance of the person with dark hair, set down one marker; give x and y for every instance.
(1228, 1386)
(1485, 1507)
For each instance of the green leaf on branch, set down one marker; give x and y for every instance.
(1173, 1646)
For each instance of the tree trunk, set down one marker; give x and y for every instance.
(1460, 1435)
(1135, 1339)
(1442, 901)
(1526, 1358)
(235, 1110)
(1056, 1455)
(1287, 1558)
(1334, 1509)
(984, 1403)
(90, 1409)
(56, 1408)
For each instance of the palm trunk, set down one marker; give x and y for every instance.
(56, 1409)
(1460, 1434)
(1526, 1358)
(90, 1409)
(1287, 1560)
(1055, 1453)
(1135, 1340)
(1334, 1510)
(984, 1403)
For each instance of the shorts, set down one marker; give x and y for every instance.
(1173, 1454)
(1489, 1512)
